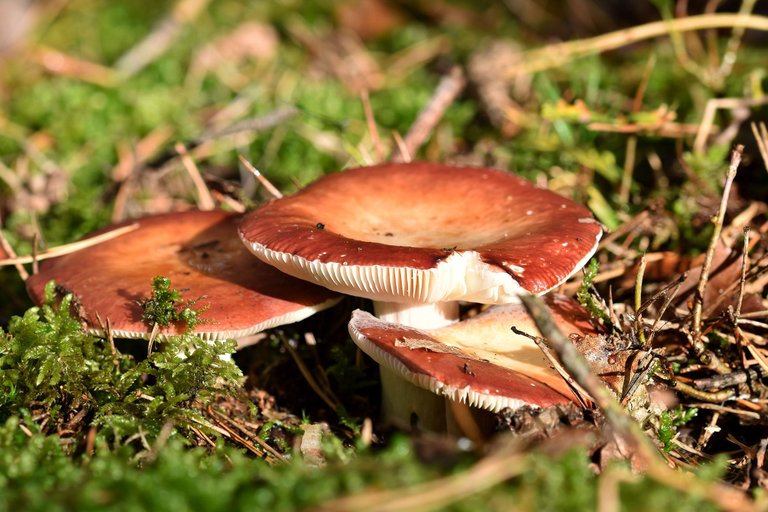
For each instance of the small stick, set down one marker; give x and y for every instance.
(639, 328)
(371, 122)
(580, 392)
(629, 165)
(152, 336)
(35, 260)
(231, 202)
(555, 55)
(60, 63)
(708, 119)
(401, 147)
(761, 137)
(8, 249)
(66, 248)
(744, 265)
(728, 379)
(328, 398)
(732, 47)
(254, 124)
(204, 200)
(264, 181)
(446, 92)
(160, 39)
(675, 288)
(724, 496)
(698, 299)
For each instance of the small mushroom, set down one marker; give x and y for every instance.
(202, 256)
(479, 362)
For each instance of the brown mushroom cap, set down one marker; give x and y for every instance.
(478, 361)
(202, 256)
(423, 232)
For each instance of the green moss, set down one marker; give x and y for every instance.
(48, 363)
(165, 306)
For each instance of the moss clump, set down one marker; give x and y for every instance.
(166, 306)
(72, 381)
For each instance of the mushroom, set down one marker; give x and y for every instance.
(418, 237)
(479, 362)
(200, 253)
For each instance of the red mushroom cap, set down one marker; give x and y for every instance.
(423, 232)
(202, 256)
(478, 361)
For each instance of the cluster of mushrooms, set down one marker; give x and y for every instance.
(417, 239)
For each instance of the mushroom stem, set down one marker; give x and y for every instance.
(422, 316)
(404, 404)
(407, 406)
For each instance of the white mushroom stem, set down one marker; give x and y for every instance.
(403, 403)
(421, 316)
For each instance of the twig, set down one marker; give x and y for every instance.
(629, 165)
(698, 298)
(580, 393)
(13, 260)
(67, 248)
(204, 200)
(264, 181)
(370, 120)
(35, 249)
(710, 110)
(446, 92)
(437, 494)
(639, 327)
(732, 47)
(402, 148)
(744, 266)
(66, 65)
(328, 398)
(722, 495)
(129, 162)
(245, 442)
(255, 124)
(761, 136)
(160, 39)
(555, 55)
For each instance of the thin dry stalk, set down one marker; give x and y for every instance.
(254, 124)
(326, 395)
(629, 165)
(225, 422)
(439, 493)
(130, 159)
(760, 132)
(708, 119)
(8, 249)
(60, 63)
(61, 250)
(581, 394)
(370, 120)
(445, 94)
(555, 55)
(720, 494)
(157, 42)
(698, 299)
(204, 200)
(639, 328)
(734, 42)
(401, 147)
(744, 268)
(35, 249)
(264, 181)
